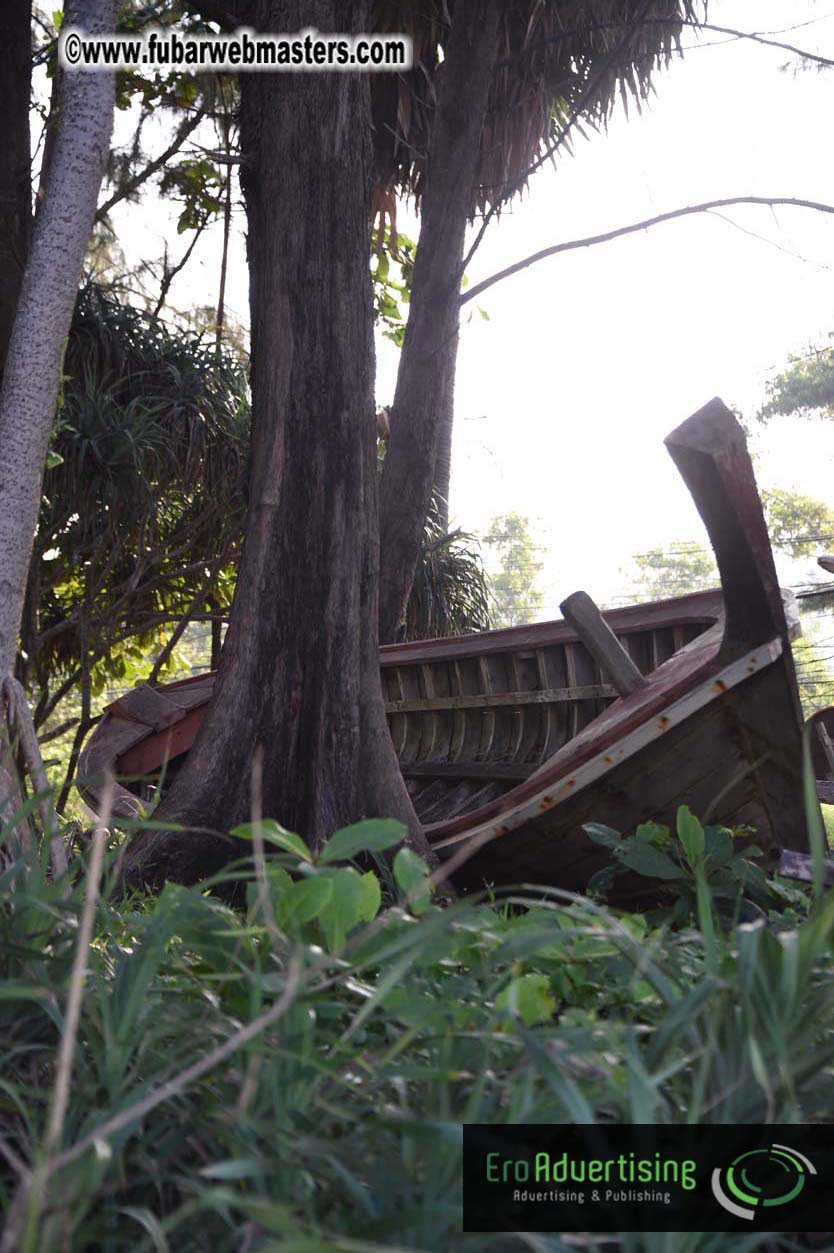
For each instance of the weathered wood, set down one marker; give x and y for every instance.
(793, 865)
(825, 743)
(494, 700)
(157, 709)
(601, 642)
(469, 769)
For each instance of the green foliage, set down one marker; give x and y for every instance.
(513, 584)
(392, 273)
(143, 501)
(450, 593)
(690, 865)
(797, 524)
(304, 1066)
(805, 387)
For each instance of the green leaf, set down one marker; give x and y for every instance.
(344, 908)
(412, 874)
(691, 835)
(601, 834)
(306, 899)
(647, 860)
(529, 997)
(718, 843)
(372, 836)
(273, 833)
(652, 833)
(371, 897)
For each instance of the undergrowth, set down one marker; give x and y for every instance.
(294, 1075)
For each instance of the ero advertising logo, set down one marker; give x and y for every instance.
(555, 1177)
(761, 1179)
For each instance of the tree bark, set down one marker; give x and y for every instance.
(425, 382)
(31, 376)
(299, 669)
(15, 160)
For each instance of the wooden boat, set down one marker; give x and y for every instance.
(511, 740)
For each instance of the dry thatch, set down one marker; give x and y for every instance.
(560, 66)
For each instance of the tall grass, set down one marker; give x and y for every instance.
(264, 1079)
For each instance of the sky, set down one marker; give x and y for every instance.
(589, 359)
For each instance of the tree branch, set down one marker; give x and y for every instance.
(730, 31)
(133, 184)
(686, 211)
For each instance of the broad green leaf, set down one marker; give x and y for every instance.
(529, 997)
(371, 897)
(306, 899)
(652, 833)
(412, 874)
(344, 908)
(273, 833)
(719, 847)
(648, 860)
(601, 834)
(372, 836)
(691, 835)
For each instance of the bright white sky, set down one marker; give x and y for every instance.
(590, 358)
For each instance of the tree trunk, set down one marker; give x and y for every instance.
(443, 458)
(299, 670)
(31, 376)
(425, 382)
(15, 159)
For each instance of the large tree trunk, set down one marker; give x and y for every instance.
(15, 159)
(425, 382)
(31, 377)
(299, 670)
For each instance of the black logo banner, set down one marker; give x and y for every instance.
(634, 1177)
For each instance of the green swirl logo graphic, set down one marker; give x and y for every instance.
(761, 1179)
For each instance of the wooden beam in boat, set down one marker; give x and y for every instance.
(601, 642)
(536, 696)
(468, 769)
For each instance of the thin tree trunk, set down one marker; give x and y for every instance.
(443, 459)
(15, 158)
(227, 229)
(299, 669)
(31, 378)
(425, 382)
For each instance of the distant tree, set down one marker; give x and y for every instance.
(516, 597)
(805, 386)
(798, 524)
(673, 570)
